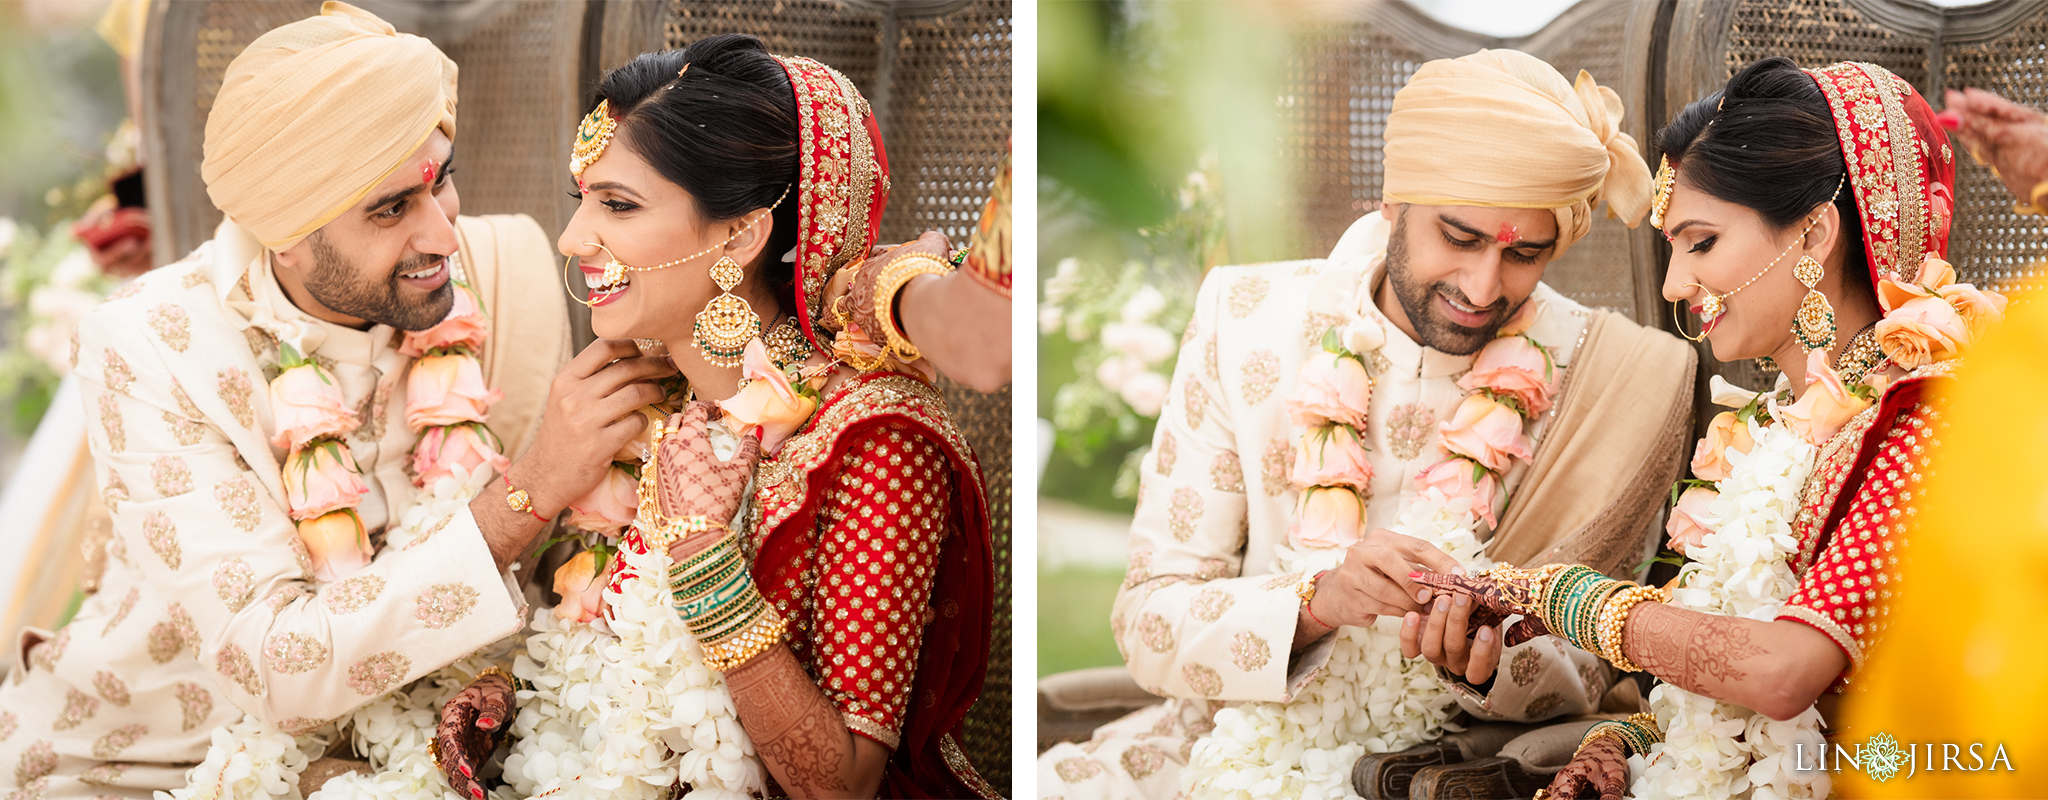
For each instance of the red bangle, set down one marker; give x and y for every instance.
(1312, 615)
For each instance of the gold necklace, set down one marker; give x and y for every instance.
(1860, 356)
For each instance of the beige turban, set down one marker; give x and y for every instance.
(315, 114)
(1502, 128)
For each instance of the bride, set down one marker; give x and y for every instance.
(847, 574)
(1807, 212)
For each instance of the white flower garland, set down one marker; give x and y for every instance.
(1742, 567)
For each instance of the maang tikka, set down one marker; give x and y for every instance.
(728, 322)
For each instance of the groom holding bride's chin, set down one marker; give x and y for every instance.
(1418, 401)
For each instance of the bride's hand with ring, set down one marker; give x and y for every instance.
(694, 482)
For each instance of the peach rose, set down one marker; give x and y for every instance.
(1826, 406)
(1524, 319)
(1331, 388)
(1978, 308)
(306, 404)
(1921, 331)
(1487, 432)
(465, 326)
(1513, 366)
(1935, 274)
(320, 479)
(581, 588)
(336, 544)
(768, 401)
(609, 506)
(447, 390)
(637, 449)
(1331, 455)
(1710, 457)
(1458, 481)
(444, 447)
(1328, 517)
(1684, 524)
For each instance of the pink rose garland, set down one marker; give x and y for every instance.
(1332, 393)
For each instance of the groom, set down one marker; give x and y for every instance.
(330, 148)
(1494, 165)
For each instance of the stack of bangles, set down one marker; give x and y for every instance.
(717, 599)
(1578, 603)
(1636, 734)
(899, 272)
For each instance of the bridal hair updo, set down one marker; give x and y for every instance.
(1767, 142)
(726, 132)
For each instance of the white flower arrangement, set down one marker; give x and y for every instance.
(1742, 567)
(250, 760)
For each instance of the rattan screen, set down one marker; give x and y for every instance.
(1990, 244)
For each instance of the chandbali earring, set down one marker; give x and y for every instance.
(728, 322)
(1814, 325)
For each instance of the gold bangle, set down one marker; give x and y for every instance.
(2033, 206)
(667, 531)
(1614, 620)
(895, 275)
(755, 640)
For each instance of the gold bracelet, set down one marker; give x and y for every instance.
(2033, 206)
(667, 531)
(1614, 619)
(899, 272)
(763, 634)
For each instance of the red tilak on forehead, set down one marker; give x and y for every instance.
(429, 171)
(1508, 233)
(581, 186)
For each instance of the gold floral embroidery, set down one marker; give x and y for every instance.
(1249, 651)
(1155, 633)
(1226, 473)
(236, 666)
(1523, 669)
(1285, 579)
(377, 674)
(283, 596)
(122, 611)
(1313, 327)
(1077, 769)
(110, 419)
(1210, 569)
(37, 761)
(116, 372)
(1204, 680)
(172, 326)
(1544, 705)
(194, 279)
(1261, 375)
(780, 483)
(78, 707)
(1408, 429)
(370, 412)
(1140, 569)
(1185, 511)
(107, 747)
(238, 500)
(9, 723)
(113, 491)
(235, 582)
(300, 726)
(164, 642)
(162, 537)
(1210, 604)
(1166, 453)
(1377, 363)
(195, 703)
(260, 343)
(184, 402)
(1141, 760)
(187, 432)
(235, 390)
(1274, 465)
(301, 555)
(181, 621)
(1246, 294)
(75, 347)
(1211, 365)
(428, 533)
(293, 653)
(1197, 404)
(442, 604)
(107, 775)
(352, 594)
(50, 652)
(170, 476)
(111, 688)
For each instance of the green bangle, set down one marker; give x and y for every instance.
(701, 604)
(717, 619)
(708, 583)
(718, 549)
(741, 615)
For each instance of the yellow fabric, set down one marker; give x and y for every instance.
(314, 114)
(1502, 128)
(1961, 661)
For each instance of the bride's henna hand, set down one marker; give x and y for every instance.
(694, 482)
(472, 726)
(1494, 607)
(1600, 769)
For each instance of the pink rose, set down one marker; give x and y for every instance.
(465, 326)
(1978, 308)
(320, 479)
(1456, 481)
(336, 544)
(306, 404)
(1684, 525)
(768, 401)
(1329, 517)
(1514, 367)
(444, 447)
(1331, 388)
(1331, 455)
(1524, 319)
(1487, 432)
(581, 589)
(1826, 406)
(1710, 457)
(609, 506)
(1921, 331)
(447, 390)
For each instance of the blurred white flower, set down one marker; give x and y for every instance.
(8, 229)
(1050, 319)
(1065, 279)
(1113, 371)
(1143, 305)
(1149, 344)
(1145, 393)
(1363, 335)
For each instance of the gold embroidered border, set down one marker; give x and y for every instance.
(784, 480)
(872, 729)
(964, 769)
(1829, 627)
(1830, 474)
(1905, 171)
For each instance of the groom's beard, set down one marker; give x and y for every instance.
(1425, 313)
(335, 281)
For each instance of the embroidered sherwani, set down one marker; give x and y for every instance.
(208, 609)
(1202, 617)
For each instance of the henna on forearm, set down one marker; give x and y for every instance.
(798, 732)
(1702, 653)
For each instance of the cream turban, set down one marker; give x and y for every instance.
(1502, 128)
(315, 114)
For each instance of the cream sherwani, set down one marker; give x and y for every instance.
(1202, 617)
(208, 609)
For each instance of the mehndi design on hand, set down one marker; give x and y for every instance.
(1497, 599)
(473, 724)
